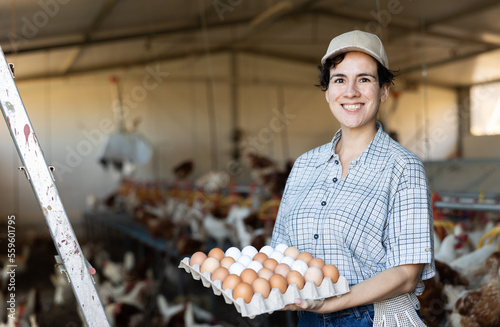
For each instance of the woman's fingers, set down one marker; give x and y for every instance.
(304, 305)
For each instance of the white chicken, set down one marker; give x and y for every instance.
(167, 310)
(471, 265)
(218, 229)
(194, 313)
(235, 218)
(453, 246)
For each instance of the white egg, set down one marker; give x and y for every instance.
(288, 260)
(300, 266)
(276, 255)
(249, 251)
(267, 249)
(281, 247)
(236, 268)
(244, 260)
(233, 252)
(255, 265)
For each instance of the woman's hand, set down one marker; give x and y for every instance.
(305, 305)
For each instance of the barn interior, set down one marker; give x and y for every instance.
(159, 119)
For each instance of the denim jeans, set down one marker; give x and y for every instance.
(354, 317)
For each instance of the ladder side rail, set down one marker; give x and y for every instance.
(43, 185)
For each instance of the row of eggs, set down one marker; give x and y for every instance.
(250, 271)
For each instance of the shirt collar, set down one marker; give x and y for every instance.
(373, 157)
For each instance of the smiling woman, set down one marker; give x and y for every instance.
(354, 94)
(360, 202)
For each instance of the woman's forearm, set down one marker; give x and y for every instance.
(387, 284)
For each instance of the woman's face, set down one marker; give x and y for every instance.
(354, 93)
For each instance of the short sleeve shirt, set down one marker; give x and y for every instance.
(378, 216)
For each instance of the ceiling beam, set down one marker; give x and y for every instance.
(474, 9)
(123, 65)
(448, 60)
(129, 36)
(88, 40)
(407, 28)
(106, 9)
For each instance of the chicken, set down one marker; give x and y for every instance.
(218, 229)
(436, 296)
(136, 296)
(62, 288)
(183, 170)
(433, 302)
(236, 218)
(437, 242)
(476, 235)
(115, 271)
(480, 307)
(267, 175)
(187, 245)
(123, 315)
(193, 314)
(482, 275)
(128, 308)
(472, 265)
(26, 310)
(213, 181)
(453, 246)
(167, 311)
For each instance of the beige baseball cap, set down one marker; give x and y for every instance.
(357, 41)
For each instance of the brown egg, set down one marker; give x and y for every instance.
(226, 262)
(210, 264)
(270, 264)
(283, 269)
(216, 253)
(248, 276)
(314, 274)
(230, 282)
(197, 258)
(317, 262)
(292, 251)
(295, 277)
(332, 272)
(260, 257)
(262, 286)
(278, 281)
(265, 273)
(243, 290)
(304, 256)
(219, 274)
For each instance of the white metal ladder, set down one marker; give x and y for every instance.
(43, 184)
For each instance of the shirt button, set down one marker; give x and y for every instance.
(335, 179)
(336, 162)
(323, 203)
(316, 236)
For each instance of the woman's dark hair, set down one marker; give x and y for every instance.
(385, 76)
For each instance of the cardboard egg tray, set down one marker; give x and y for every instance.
(276, 300)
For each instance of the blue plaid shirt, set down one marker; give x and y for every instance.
(379, 216)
